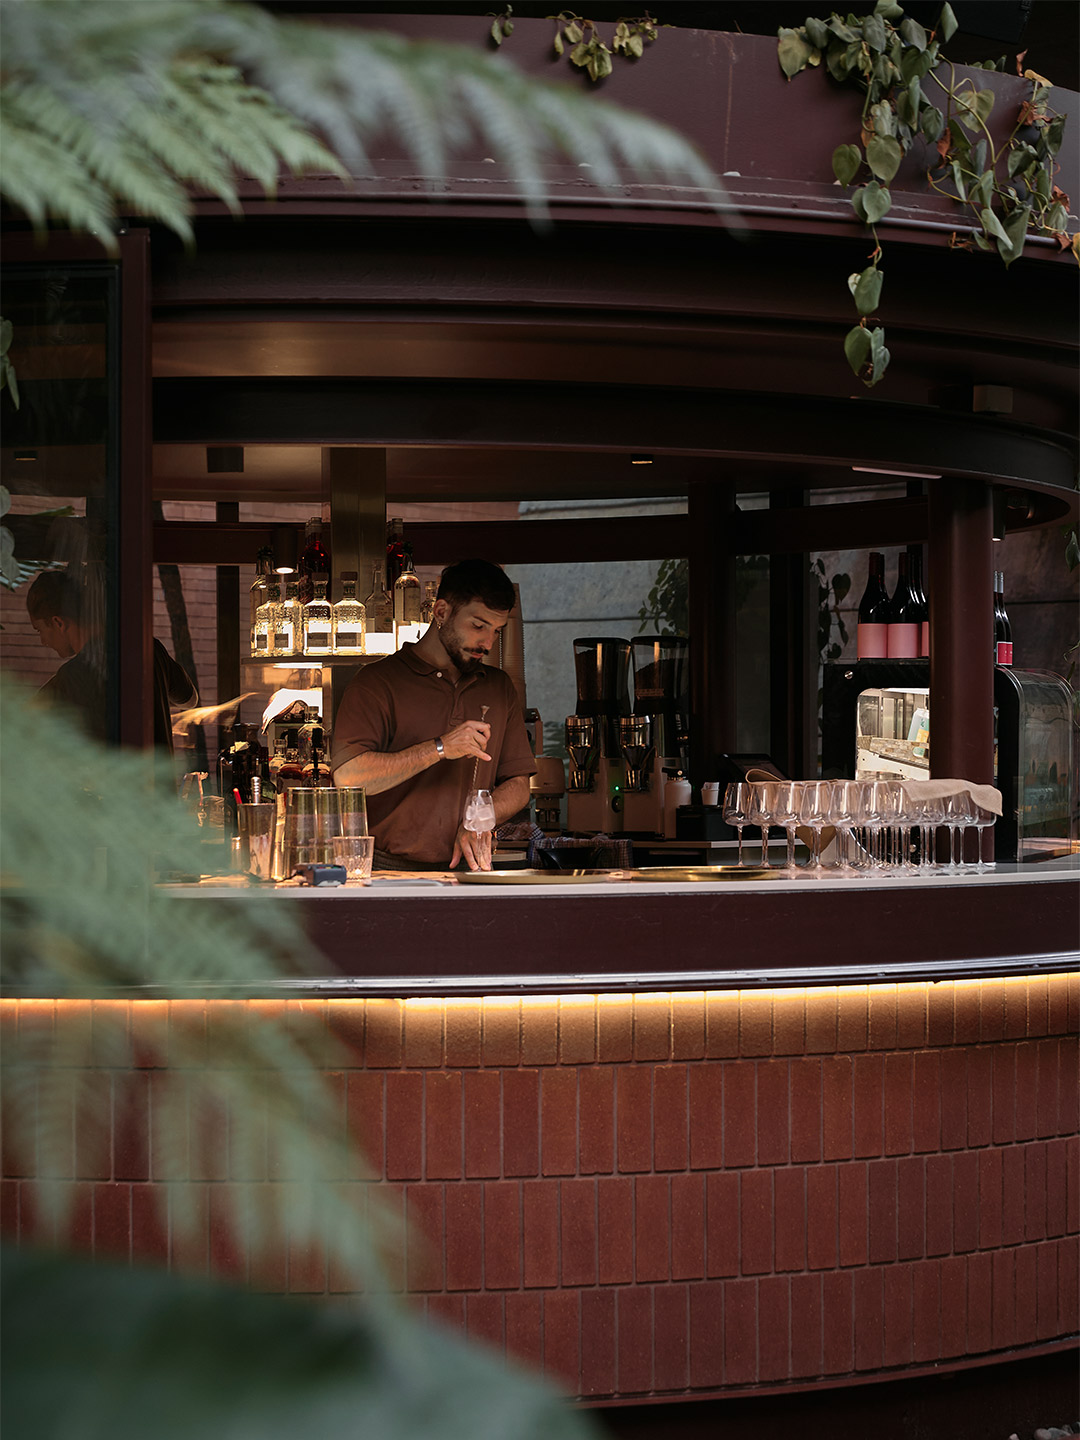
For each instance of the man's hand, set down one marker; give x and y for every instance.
(467, 741)
(476, 848)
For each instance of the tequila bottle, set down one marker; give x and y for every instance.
(290, 628)
(349, 619)
(379, 606)
(264, 564)
(407, 594)
(265, 622)
(318, 620)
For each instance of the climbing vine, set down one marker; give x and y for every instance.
(581, 38)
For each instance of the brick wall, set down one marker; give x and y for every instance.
(679, 1194)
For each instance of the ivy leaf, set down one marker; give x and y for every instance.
(558, 42)
(883, 118)
(1055, 133)
(496, 32)
(841, 584)
(579, 55)
(600, 63)
(958, 180)
(1058, 217)
(947, 22)
(879, 355)
(845, 163)
(1016, 228)
(857, 348)
(908, 102)
(1021, 157)
(978, 105)
(993, 226)
(840, 30)
(981, 192)
(932, 123)
(913, 33)
(888, 9)
(574, 33)
(817, 32)
(793, 51)
(871, 203)
(883, 155)
(636, 46)
(867, 291)
(873, 32)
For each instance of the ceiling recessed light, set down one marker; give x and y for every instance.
(640, 459)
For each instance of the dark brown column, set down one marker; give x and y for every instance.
(793, 657)
(961, 631)
(712, 628)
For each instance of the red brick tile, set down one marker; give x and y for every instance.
(1072, 1172)
(869, 1104)
(853, 1219)
(789, 1197)
(688, 1025)
(635, 1339)
(461, 1020)
(484, 1320)
(1012, 1193)
(954, 1306)
(307, 1266)
(404, 1125)
(93, 1126)
(911, 1208)
(980, 1303)
(633, 1117)
(558, 1124)
(189, 1233)
(1073, 1023)
(1068, 1315)
(1026, 1091)
(926, 1311)
(926, 1101)
(464, 1236)
(670, 1119)
(483, 1123)
(899, 1104)
(773, 1113)
(837, 1107)
(1068, 1088)
(967, 1011)
(383, 1023)
(912, 1016)
(446, 1311)
(980, 1096)
(189, 1017)
(1038, 1005)
(852, 1018)
(805, 1076)
(539, 1032)
(740, 1114)
(939, 1204)
(721, 1225)
(671, 1322)
(112, 1219)
(425, 1243)
(131, 1127)
(9, 1210)
(755, 1023)
(598, 1369)
(789, 1022)
(1016, 1008)
(540, 1233)
(774, 1328)
(965, 1201)
(954, 1099)
(1047, 1098)
(821, 1017)
(940, 1017)
(882, 1032)
(388, 1201)
(1047, 1297)
(721, 1024)
(990, 1199)
(652, 1228)
(228, 1250)
(899, 1303)
(562, 1339)
(652, 1027)
(345, 1019)
(423, 1033)
(1026, 1301)
(1057, 1004)
(706, 1114)
(838, 1322)
(521, 1122)
(806, 1326)
(821, 1217)
(365, 1121)
(883, 1202)
(502, 1235)
(1035, 1191)
(577, 1029)
(707, 1334)
(869, 1320)
(615, 1028)
(615, 1232)
(756, 1222)
(596, 1119)
(578, 1231)
(1057, 1186)
(687, 1227)
(740, 1332)
(443, 1130)
(524, 1328)
(150, 1226)
(991, 1010)
(500, 1040)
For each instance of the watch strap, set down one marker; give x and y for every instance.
(439, 747)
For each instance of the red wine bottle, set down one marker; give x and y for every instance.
(904, 619)
(1002, 628)
(916, 577)
(873, 633)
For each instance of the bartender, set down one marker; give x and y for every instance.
(423, 728)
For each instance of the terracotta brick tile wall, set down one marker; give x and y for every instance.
(670, 1194)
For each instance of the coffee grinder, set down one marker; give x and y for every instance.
(597, 770)
(653, 739)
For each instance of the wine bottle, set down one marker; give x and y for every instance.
(313, 561)
(915, 575)
(1002, 628)
(872, 633)
(902, 638)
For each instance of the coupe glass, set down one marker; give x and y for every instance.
(479, 812)
(737, 809)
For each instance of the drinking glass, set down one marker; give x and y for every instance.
(256, 825)
(784, 800)
(355, 853)
(984, 820)
(479, 812)
(929, 813)
(813, 812)
(761, 815)
(737, 809)
(959, 815)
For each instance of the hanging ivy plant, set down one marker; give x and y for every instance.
(582, 38)
(898, 67)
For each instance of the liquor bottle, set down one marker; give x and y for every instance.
(379, 605)
(349, 619)
(427, 609)
(291, 624)
(264, 625)
(872, 634)
(264, 564)
(902, 637)
(915, 575)
(407, 594)
(1002, 628)
(318, 620)
(314, 559)
(278, 641)
(395, 551)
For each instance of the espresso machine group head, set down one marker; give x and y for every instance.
(595, 799)
(653, 738)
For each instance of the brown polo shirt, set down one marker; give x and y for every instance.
(401, 701)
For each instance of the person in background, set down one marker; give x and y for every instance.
(423, 728)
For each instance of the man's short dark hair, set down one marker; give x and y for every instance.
(55, 592)
(467, 580)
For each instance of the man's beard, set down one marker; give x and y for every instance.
(465, 664)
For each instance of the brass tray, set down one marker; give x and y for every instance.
(539, 877)
(706, 873)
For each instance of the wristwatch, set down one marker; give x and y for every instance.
(439, 747)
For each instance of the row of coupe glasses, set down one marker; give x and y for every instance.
(879, 824)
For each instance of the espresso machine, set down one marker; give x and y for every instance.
(652, 739)
(597, 770)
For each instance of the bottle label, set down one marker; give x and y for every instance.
(903, 642)
(1003, 654)
(283, 641)
(924, 638)
(317, 637)
(348, 640)
(873, 642)
(261, 641)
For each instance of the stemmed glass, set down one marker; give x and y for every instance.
(959, 814)
(984, 820)
(784, 806)
(761, 815)
(843, 799)
(813, 811)
(928, 815)
(737, 808)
